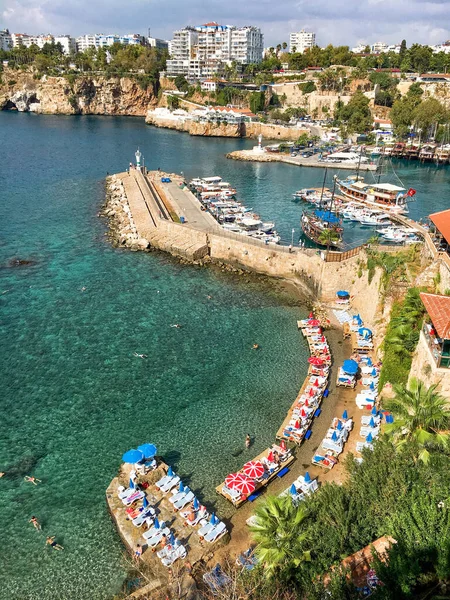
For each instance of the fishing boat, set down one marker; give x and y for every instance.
(383, 195)
(314, 224)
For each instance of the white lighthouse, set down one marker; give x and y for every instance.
(138, 156)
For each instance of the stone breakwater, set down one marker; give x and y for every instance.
(122, 228)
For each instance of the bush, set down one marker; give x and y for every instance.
(307, 87)
(12, 82)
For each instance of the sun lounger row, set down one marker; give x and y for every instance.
(333, 443)
(303, 486)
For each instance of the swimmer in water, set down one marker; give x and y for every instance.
(248, 441)
(255, 347)
(51, 542)
(83, 289)
(209, 297)
(33, 480)
(140, 355)
(176, 325)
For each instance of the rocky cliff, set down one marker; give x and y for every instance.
(194, 128)
(85, 95)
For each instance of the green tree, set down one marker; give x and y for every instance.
(328, 237)
(257, 100)
(428, 113)
(279, 531)
(284, 45)
(181, 83)
(356, 114)
(422, 417)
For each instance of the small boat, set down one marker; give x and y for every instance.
(314, 224)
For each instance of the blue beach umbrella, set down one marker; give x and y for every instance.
(145, 502)
(148, 450)
(334, 437)
(196, 504)
(374, 410)
(339, 426)
(307, 477)
(213, 520)
(132, 456)
(156, 524)
(374, 372)
(350, 367)
(131, 484)
(372, 422)
(170, 472)
(372, 386)
(181, 486)
(345, 415)
(171, 539)
(293, 490)
(364, 332)
(369, 438)
(369, 362)
(342, 294)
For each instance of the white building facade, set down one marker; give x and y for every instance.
(301, 40)
(101, 40)
(6, 41)
(204, 51)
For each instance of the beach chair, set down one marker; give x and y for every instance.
(178, 552)
(140, 519)
(361, 445)
(162, 482)
(168, 549)
(217, 531)
(205, 529)
(374, 431)
(138, 495)
(200, 517)
(123, 493)
(247, 560)
(170, 484)
(182, 502)
(156, 538)
(233, 494)
(178, 495)
(216, 579)
(366, 419)
(151, 532)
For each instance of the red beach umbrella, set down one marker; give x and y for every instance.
(306, 403)
(315, 361)
(311, 392)
(323, 339)
(297, 424)
(314, 323)
(311, 315)
(302, 413)
(283, 445)
(270, 456)
(254, 469)
(234, 478)
(246, 486)
(316, 383)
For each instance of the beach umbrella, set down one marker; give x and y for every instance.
(307, 477)
(372, 386)
(131, 484)
(196, 505)
(254, 469)
(297, 424)
(270, 456)
(303, 413)
(293, 490)
(345, 415)
(339, 426)
(213, 520)
(233, 478)
(369, 362)
(311, 315)
(342, 294)
(144, 502)
(170, 472)
(246, 486)
(315, 361)
(323, 339)
(132, 456)
(372, 422)
(369, 438)
(172, 539)
(156, 524)
(311, 392)
(148, 450)
(374, 372)
(314, 323)
(334, 437)
(364, 332)
(181, 486)
(316, 383)
(350, 367)
(283, 445)
(374, 410)
(306, 403)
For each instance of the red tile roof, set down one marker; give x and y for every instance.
(243, 111)
(442, 222)
(438, 307)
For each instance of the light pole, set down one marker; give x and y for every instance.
(292, 237)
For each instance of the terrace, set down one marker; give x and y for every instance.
(437, 331)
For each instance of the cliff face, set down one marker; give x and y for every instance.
(193, 128)
(90, 95)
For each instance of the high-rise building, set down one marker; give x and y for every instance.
(100, 40)
(157, 43)
(6, 42)
(301, 40)
(204, 50)
(22, 39)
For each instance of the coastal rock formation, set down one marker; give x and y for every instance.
(90, 95)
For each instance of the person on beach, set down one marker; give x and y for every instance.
(36, 523)
(191, 516)
(33, 480)
(53, 544)
(138, 552)
(248, 441)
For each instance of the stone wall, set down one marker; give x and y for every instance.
(423, 367)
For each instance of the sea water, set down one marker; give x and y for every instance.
(74, 397)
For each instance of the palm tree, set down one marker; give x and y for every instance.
(279, 533)
(328, 236)
(422, 417)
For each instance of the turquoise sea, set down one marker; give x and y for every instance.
(73, 396)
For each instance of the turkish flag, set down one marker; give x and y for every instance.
(411, 192)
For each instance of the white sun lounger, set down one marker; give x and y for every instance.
(162, 482)
(182, 502)
(132, 498)
(140, 519)
(365, 420)
(361, 445)
(155, 539)
(205, 529)
(198, 518)
(218, 530)
(178, 495)
(151, 532)
(123, 493)
(170, 484)
(179, 552)
(364, 431)
(233, 494)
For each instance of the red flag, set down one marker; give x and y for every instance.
(411, 192)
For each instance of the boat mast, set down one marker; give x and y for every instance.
(332, 198)
(359, 164)
(380, 166)
(323, 186)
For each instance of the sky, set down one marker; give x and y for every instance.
(347, 22)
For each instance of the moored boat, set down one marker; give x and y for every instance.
(314, 225)
(383, 195)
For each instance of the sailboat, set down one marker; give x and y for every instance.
(323, 227)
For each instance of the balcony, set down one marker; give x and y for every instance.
(440, 349)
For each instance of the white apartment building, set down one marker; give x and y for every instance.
(67, 42)
(203, 51)
(157, 43)
(301, 40)
(379, 47)
(22, 39)
(6, 42)
(100, 40)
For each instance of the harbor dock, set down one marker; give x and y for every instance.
(298, 161)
